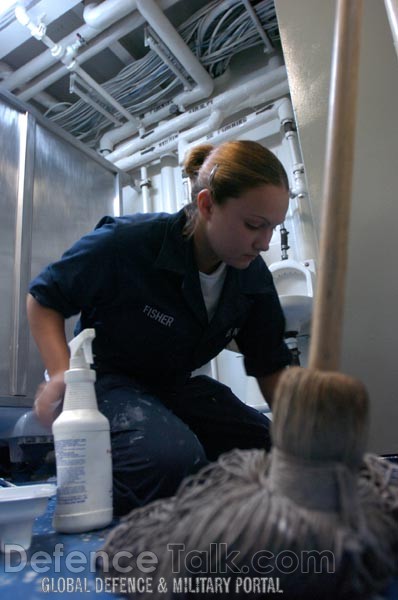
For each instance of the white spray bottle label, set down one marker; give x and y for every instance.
(82, 447)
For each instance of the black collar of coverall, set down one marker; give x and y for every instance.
(177, 255)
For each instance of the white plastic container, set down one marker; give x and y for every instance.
(82, 448)
(19, 506)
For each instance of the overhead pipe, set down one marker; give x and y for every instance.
(172, 39)
(204, 83)
(102, 41)
(100, 16)
(111, 137)
(235, 129)
(42, 98)
(12, 37)
(164, 129)
(154, 43)
(151, 154)
(160, 24)
(242, 124)
(67, 57)
(273, 72)
(45, 60)
(244, 95)
(171, 145)
(215, 120)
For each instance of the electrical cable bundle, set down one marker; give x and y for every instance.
(214, 34)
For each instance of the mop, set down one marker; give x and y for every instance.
(316, 517)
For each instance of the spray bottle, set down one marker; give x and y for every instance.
(82, 448)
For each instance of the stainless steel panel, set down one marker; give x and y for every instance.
(53, 190)
(72, 191)
(9, 161)
(23, 241)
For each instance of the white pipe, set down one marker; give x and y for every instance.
(243, 95)
(111, 137)
(168, 162)
(302, 218)
(103, 40)
(154, 45)
(169, 144)
(214, 121)
(392, 14)
(42, 98)
(232, 130)
(5, 70)
(145, 184)
(286, 117)
(174, 42)
(67, 57)
(163, 130)
(242, 124)
(303, 226)
(228, 101)
(100, 16)
(44, 61)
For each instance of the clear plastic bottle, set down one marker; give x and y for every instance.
(82, 448)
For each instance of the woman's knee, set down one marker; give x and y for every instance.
(176, 453)
(146, 468)
(183, 453)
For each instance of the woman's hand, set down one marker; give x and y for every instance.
(48, 329)
(48, 399)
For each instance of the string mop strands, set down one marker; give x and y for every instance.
(310, 496)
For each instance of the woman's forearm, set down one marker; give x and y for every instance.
(48, 330)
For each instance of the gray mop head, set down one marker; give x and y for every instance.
(315, 518)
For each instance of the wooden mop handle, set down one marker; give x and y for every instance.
(327, 320)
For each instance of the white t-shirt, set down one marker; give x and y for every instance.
(211, 288)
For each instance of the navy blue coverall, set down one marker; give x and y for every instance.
(135, 281)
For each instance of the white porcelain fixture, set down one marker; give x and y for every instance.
(294, 282)
(19, 506)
